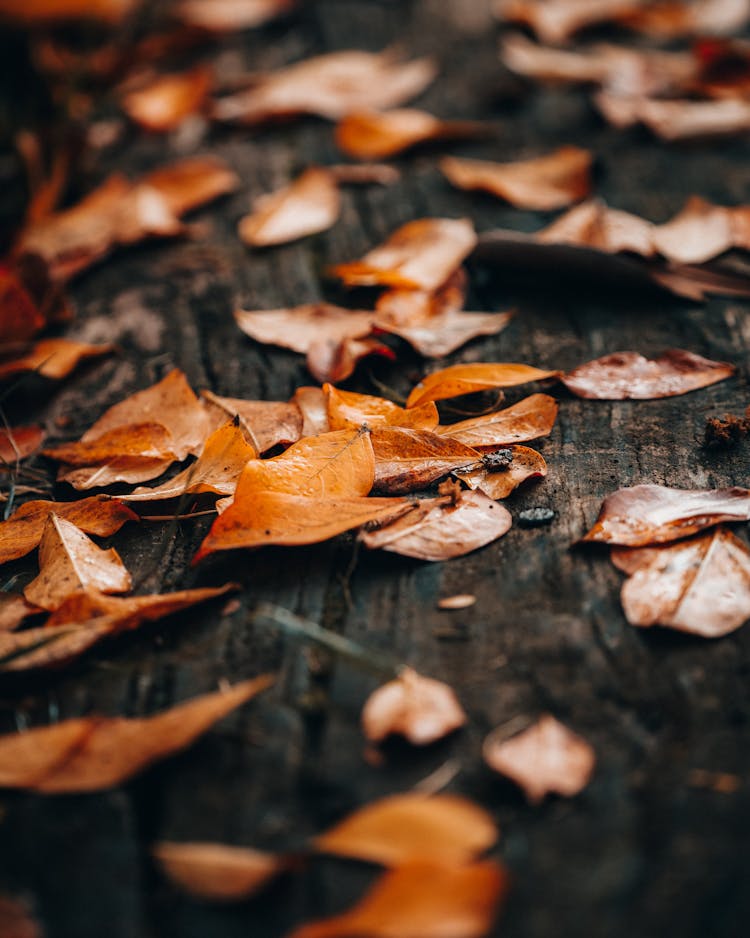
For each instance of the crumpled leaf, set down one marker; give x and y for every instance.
(700, 586)
(70, 562)
(329, 360)
(217, 871)
(308, 205)
(419, 255)
(529, 419)
(411, 826)
(546, 182)
(457, 380)
(629, 376)
(265, 423)
(17, 443)
(99, 515)
(96, 753)
(164, 103)
(329, 86)
(546, 757)
(52, 358)
(300, 327)
(407, 460)
(375, 135)
(654, 514)
(525, 463)
(419, 708)
(348, 410)
(420, 899)
(442, 528)
(13, 610)
(675, 119)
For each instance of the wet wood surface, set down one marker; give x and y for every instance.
(649, 847)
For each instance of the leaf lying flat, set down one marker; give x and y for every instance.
(457, 380)
(372, 135)
(596, 225)
(546, 182)
(525, 464)
(700, 586)
(300, 327)
(52, 358)
(418, 708)
(224, 16)
(99, 515)
(349, 410)
(630, 376)
(655, 514)
(702, 231)
(421, 899)
(332, 360)
(70, 562)
(419, 255)
(444, 332)
(265, 423)
(147, 441)
(546, 757)
(19, 442)
(189, 183)
(308, 205)
(217, 871)
(673, 120)
(97, 753)
(394, 830)
(529, 419)
(13, 610)
(408, 460)
(164, 103)
(442, 528)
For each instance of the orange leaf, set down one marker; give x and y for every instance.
(165, 102)
(13, 610)
(400, 828)
(100, 752)
(265, 423)
(546, 757)
(331, 360)
(530, 418)
(52, 358)
(39, 648)
(216, 871)
(147, 441)
(421, 899)
(187, 184)
(17, 443)
(224, 16)
(50, 12)
(371, 135)
(16, 920)
(702, 231)
(99, 515)
(408, 460)
(525, 463)
(308, 205)
(129, 469)
(348, 410)
(595, 225)
(468, 379)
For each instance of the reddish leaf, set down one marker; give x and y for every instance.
(525, 463)
(407, 460)
(671, 120)
(52, 358)
(216, 871)
(332, 360)
(702, 231)
(20, 318)
(371, 135)
(164, 103)
(596, 225)
(16, 920)
(457, 380)
(529, 419)
(17, 443)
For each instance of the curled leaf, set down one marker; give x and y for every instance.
(373, 135)
(217, 871)
(676, 119)
(498, 479)
(332, 360)
(529, 419)
(457, 380)
(348, 410)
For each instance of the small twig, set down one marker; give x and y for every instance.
(193, 514)
(439, 779)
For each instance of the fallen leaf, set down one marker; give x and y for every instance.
(457, 380)
(16, 443)
(380, 174)
(52, 12)
(308, 205)
(52, 358)
(702, 231)
(458, 601)
(329, 360)
(407, 460)
(700, 586)
(99, 515)
(669, 20)
(556, 21)
(40, 648)
(13, 610)
(164, 103)
(329, 86)
(419, 255)
(629, 376)
(348, 410)
(546, 182)
(97, 753)
(598, 226)
(300, 327)
(654, 514)
(217, 871)
(402, 828)
(442, 528)
(374, 135)
(224, 16)
(678, 119)
(524, 463)
(546, 757)
(265, 423)
(313, 405)
(70, 562)
(419, 708)
(16, 920)
(421, 899)
(529, 419)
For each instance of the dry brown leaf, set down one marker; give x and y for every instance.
(629, 376)
(330, 360)
(442, 528)
(52, 358)
(444, 332)
(348, 410)
(400, 828)
(225, 16)
(702, 231)
(261, 518)
(164, 103)
(457, 380)
(330, 86)
(419, 708)
(529, 419)
(525, 463)
(407, 460)
(17, 443)
(374, 135)
(700, 586)
(458, 601)
(41, 648)
(99, 515)
(55, 12)
(546, 182)
(265, 423)
(679, 119)
(16, 920)
(654, 514)
(100, 752)
(20, 317)
(70, 562)
(596, 225)
(217, 871)
(546, 757)
(313, 405)
(13, 610)
(191, 182)
(308, 205)
(147, 441)
(421, 899)
(131, 470)
(420, 255)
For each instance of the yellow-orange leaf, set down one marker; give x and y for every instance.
(165, 102)
(265, 423)
(52, 358)
(374, 135)
(217, 871)
(19, 442)
(468, 379)
(308, 205)
(147, 441)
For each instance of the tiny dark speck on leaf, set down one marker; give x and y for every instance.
(498, 461)
(533, 517)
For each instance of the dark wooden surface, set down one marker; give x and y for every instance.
(640, 852)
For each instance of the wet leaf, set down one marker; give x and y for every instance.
(525, 463)
(546, 757)
(655, 514)
(529, 419)
(348, 410)
(407, 460)
(17, 443)
(630, 376)
(52, 358)
(374, 135)
(300, 327)
(13, 610)
(265, 423)
(401, 828)
(308, 205)
(164, 103)
(700, 586)
(97, 753)
(217, 871)
(457, 380)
